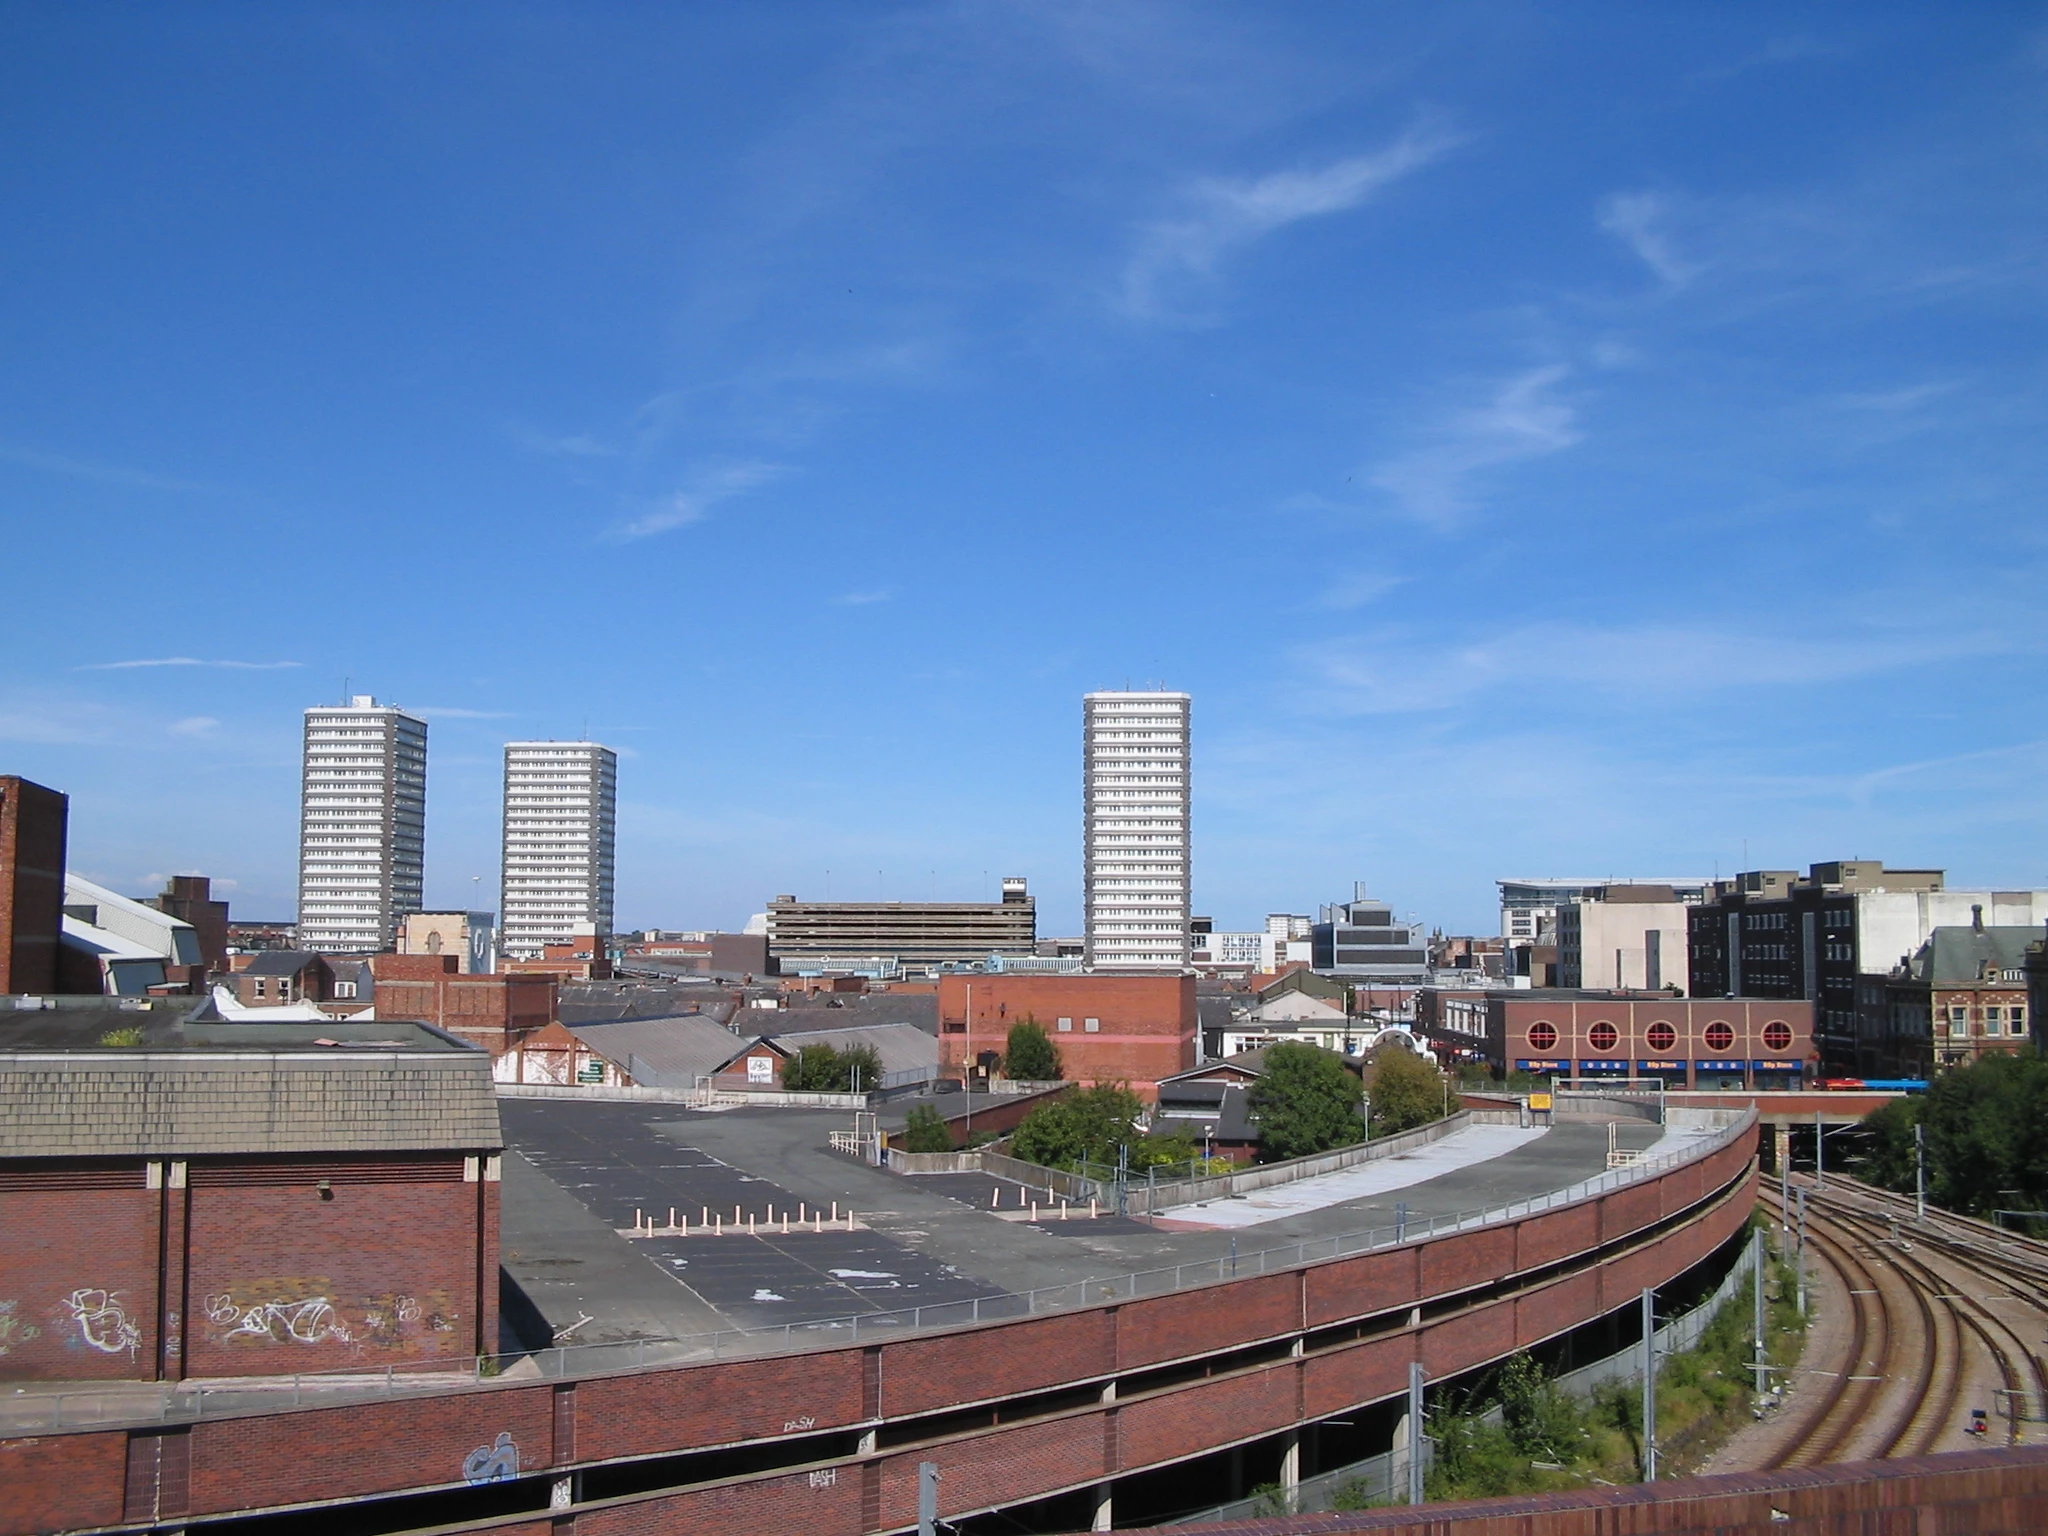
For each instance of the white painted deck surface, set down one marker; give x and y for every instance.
(1461, 1149)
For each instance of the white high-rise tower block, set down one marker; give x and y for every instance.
(362, 825)
(1135, 837)
(561, 799)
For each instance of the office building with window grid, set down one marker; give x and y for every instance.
(362, 825)
(561, 800)
(1136, 824)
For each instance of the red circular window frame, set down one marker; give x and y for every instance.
(1662, 1036)
(1542, 1036)
(1719, 1036)
(1778, 1035)
(1603, 1036)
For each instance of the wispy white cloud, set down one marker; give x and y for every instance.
(187, 661)
(86, 469)
(1226, 214)
(862, 599)
(694, 503)
(194, 725)
(576, 445)
(1642, 221)
(1356, 589)
(1895, 401)
(1386, 673)
(1522, 418)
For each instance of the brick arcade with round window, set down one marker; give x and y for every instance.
(1681, 1042)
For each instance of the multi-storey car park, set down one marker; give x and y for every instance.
(363, 820)
(1136, 814)
(780, 1372)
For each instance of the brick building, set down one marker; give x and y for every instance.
(1686, 1042)
(189, 898)
(33, 826)
(1961, 997)
(1826, 936)
(237, 1200)
(282, 978)
(495, 1012)
(1109, 1029)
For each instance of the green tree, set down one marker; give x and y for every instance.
(1306, 1102)
(1406, 1091)
(860, 1069)
(926, 1130)
(1987, 1135)
(813, 1069)
(1088, 1124)
(1029, 1055)
(1886, 1157)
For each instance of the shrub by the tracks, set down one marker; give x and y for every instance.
(1986, 1128)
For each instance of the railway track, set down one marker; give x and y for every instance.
(1942, 1315)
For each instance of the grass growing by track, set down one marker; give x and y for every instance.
(1544, 1439)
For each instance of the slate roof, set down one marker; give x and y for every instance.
(663, 1053)
(239, 1089)
(279, 962)
(1231, 1121)
(1955, 957)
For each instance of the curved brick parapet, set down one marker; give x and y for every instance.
(831, 1441)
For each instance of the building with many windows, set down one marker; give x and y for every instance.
(1528, 908)
(561, 800)
(1961, 997)
(1362, 939)
(887, 938)
(1832, 938)
(362, 825)
(1136, 822)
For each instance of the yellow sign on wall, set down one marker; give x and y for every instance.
(1539, 1101)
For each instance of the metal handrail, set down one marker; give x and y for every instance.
(187, 1401)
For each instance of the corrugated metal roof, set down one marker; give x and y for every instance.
(900, 1047)
(663, 1053)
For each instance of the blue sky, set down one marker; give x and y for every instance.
(1545, 440)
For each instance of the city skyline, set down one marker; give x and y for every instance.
(1578, 444)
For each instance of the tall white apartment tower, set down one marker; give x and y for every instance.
(1135, 786)
(560, 802)
(362, 825)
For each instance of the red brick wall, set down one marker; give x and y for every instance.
(493, 1011)
(282, 1280)
(32, 835)
(1148, 1024)
(258, 1276)
(78, 1275)
(1511, 1018)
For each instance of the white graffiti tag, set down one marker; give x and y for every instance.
(312, 1321)
(103, 1321)
(493, 1463)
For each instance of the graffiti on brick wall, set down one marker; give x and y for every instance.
(497, 1463)
(291, 1310)
(102, 1321)
(15, 1330)
(310, 1320)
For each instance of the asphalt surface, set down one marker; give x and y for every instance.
(582, 1170)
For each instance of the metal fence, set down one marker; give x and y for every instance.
(150, 1402)
(1383, 1479)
